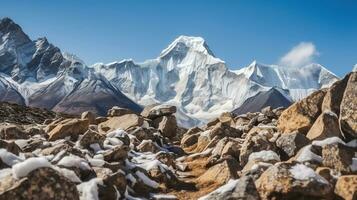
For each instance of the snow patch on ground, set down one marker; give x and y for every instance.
(306, 155)
(230, 186)
(304, 173)
(89, 190)
(264, 156)
(9, 158)
(21, 169)
(74, 161)
(331, 140)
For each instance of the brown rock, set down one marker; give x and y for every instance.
(217, 150)
(346, 187)
(91, 137)
(12, 132)
(348, 107)
(116, 179)
(189, 140)
(89, 116)
(338, 156)
(241, 121)
(254, 142)
(326, 173)
(232, 148)
(243, 188)
(142, 133)
(212, 123)
(69, 128)
(10, 146)
(99, 120)
(118, 153)
(56, 149)
(268, 111)
(35, 130)
(155, 111)
(193, 130)
(254, 168)
(42, 183)
(291, 143)
(123, 122)
(54, 123)
(282, 181)
(334, 94)
(203, 141)
(148, 146)
(220, 173)
(325, 126)
(226, 118)
(301, 115)
(167, 125)
(117, 112)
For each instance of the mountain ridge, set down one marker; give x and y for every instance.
(185, 74)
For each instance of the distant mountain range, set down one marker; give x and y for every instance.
(186, 74)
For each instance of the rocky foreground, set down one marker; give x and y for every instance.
(307, 151)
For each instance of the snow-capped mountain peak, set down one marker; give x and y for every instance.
(186, 74)
(183, 44)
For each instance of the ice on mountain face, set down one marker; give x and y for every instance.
(186, 74)
(189, 76)
(300, 82)
(355, 68)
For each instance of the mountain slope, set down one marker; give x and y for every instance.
(96, 95)
(273, 98)
(298, 81)
(186, 74)
(38, 74)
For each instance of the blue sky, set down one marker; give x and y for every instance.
(236, 31)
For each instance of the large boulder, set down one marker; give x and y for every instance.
(292, 181)
(346, 187)
(155, 111)
(348, 107)
(12, 132)
(256, 141)
(118, 111)
(291, 143)
(89, 116)
(42, 183)
(167, 125)
(334, 94)
(10, 146)
(69, 128)
(242, 188)
(301, 115)
(220, 173)
(91, 137)
(118, 153)
(189, 140)
(325, 126)
(123, 122)
(338, 156)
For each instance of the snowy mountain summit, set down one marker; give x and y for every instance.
(186, 74)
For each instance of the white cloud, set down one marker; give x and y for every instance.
(300, 55)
